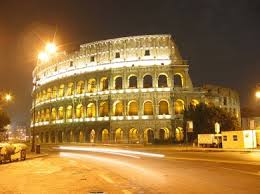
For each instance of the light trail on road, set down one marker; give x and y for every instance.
(128, 153)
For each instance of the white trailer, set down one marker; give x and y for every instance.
(209, 140)
(239, 139)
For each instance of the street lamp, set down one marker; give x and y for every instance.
(51, 48)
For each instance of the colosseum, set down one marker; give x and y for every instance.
(124, 90)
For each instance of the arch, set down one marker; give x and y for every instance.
(148, 135)
(91, 110)
(47, 114)
(194, 102)
(119, 135)
(79, 111)
(147, 81)
(133, 136)
(105, 136)
(179, 134)
(49, 93)
(76, 135)
(132, 81)
(103, 109)
(118, 83)
(80, 87)
(148, 108)
(42, 115)
(132, 108)
(61, 113)
(163, 107)
(61, 90)
(104, 83)
(53, 114)
(178, 80)
(52, 137)
(92, 136)
(54, 92)
(92, 85)
(44, 95)
(70, 89)
(81, 136)
(38, 116)
(59, 136)
(179, 106)
(164, 134)
(47, 137)
(69, 112)
(162, 81)
(118, 108)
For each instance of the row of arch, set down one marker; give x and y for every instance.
(91, 86)
(92, 110)
(133, 136)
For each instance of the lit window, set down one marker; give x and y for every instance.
(117, 55)
(147, 53)
(234, 137)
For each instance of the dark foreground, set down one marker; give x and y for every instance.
(177, 172)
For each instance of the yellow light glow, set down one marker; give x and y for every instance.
(257, 94)
(8, 97)
(43, 57)
(51, 48)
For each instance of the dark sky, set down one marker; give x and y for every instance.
(220, 38)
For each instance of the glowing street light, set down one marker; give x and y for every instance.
(8, 97)
(51, 48)
(43, 56)
(257, 94)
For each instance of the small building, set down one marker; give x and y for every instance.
(239, 139)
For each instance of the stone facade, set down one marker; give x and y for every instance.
(125, 90)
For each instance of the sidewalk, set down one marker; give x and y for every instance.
(31, 155)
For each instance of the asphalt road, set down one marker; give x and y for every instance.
(69, 171)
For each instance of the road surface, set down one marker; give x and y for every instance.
(70, 171)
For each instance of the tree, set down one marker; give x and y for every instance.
(204, 118)
(4, 120)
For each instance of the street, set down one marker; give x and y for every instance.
(70, 171)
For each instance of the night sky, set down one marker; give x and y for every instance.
(220, 39)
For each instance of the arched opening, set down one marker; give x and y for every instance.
(194, 102)
(148, 108)
(54, 92)
(61, 113)
(179, 134)
(44, 95)
(178, 106)
(92, 136)
(81, 137)
(61, 90)
(91, 85)
(178, 80)
(163, 107)
(42, 115)
(49, 92)
(164, 134)
(69, 112)
(91, 110)
(162, 81)
(53, 137)
(59, 136)
(47, 115)
(118, 83)
(67, 137)
(104, 83)
(132, 82)
(148, 136)
(132, 108)
(47, 137)
(70, 89)
(119, 135)
(53, 114)
(103, 109)
(147, 81)
(79, 111)
(76, 136)
(105, 136)
(118, 108)
(80, 87)
(133, 136)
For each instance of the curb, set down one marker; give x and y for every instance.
(36, 156)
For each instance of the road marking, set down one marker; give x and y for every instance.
(126, 192)
(106, 178)
(214, 160)
(243, 171)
